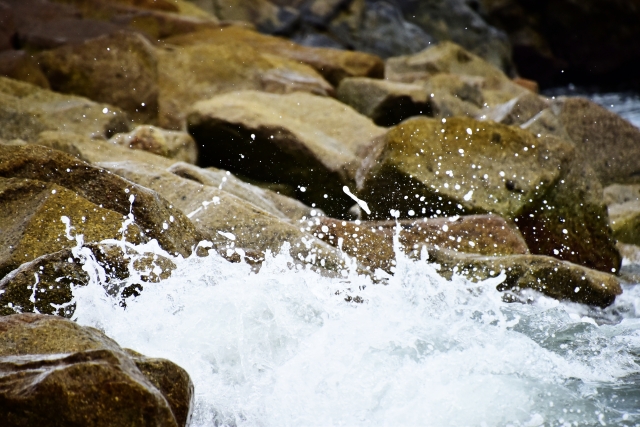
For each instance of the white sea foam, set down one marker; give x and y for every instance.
(284, 348)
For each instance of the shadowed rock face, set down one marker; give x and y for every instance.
(54, 372)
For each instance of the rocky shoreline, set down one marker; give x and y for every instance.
(156, 130)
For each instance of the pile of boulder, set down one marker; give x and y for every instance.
(133, 122)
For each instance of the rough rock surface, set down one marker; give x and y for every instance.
(44, 285)
(196, 72)
(151, 212)
(310, 142)
(171, 144)
(120, 69)
(463, 166)
(27, 110)
(19, 65)
(54, 372)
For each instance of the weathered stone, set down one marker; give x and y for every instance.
(625, 221)
(462, 166)
(371, 242)
(18, 65)
(517, 111)
(454, 96)
(151, 212)
(276, 204)
(561, 280)
(266, 16)
(307, 141)
(120, 69)
(36, 218)
(333, 64)
(617, 193)
(44, 285)
(231, 222)
(171, 144)
(27, 110)
(386, 103)
(197, 72)
(54, 372)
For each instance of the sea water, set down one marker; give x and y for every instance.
(285, 346)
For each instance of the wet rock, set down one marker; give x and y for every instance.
(371, 242)
(561, 280)
(36, 217)
(171, 144)
(192, 73)
(266, 16)
(454, 96)
(151, 212)
(624, 212)
(231, 222)
(55, 372)
(617, 193)
(120, 69)
(44, 285)
(18, 65)
(463, 166)
(333, 64)
(630, 269)
(299, 139)
(386, 103)
(27, 110)
(274, 203)
(517, 111)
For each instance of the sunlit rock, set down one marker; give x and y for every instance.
(27, 110)
(333, 64)
(171, 144)
(44, 285)
(120, 69)
(155, 216)
(191, 73)
(518, 110)
(371, 242)
(463, 166)
(312, 143)
(232, 223)
(55, 372)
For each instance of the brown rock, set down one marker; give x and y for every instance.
(54, 372)
(7, 27)
(531, 85)
(518, 111)
(462, 166)
(264, 14)
(333, 64)
(298, 139)
(120, 69)
(197, 72)
(171, 144)
(18, 65)
(151, 212)
(27, 110)
(44, 285)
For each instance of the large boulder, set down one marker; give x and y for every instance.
(463, 166)
(54, 372)
(176, 145)
(27, 110)
(155, 216)
(120, 69)
(307, 141)
(45, 285)
(230, 222)
(623, 203)
(333, 64)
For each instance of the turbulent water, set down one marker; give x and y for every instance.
(283, 347)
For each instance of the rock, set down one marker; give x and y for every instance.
(276, 204)
(54, 372)
(18, 65)
(7, 27)
(607, 141)
(27, 110)
(333, 64)
(630, 270)
(299, 139)
(386, 103)
(517, 111)
(120, 69)
(197, 72)
(266, 16)
(231, 222)
(451, 95)
(151, 212)
(625, 221)
(171, 144)
(44, 285)
(561, 280)
(617, 193)
(94, 151)
(530, 85)
(36, 218)
(462, 166)
(371, 242)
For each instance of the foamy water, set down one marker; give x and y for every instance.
(284, 348)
